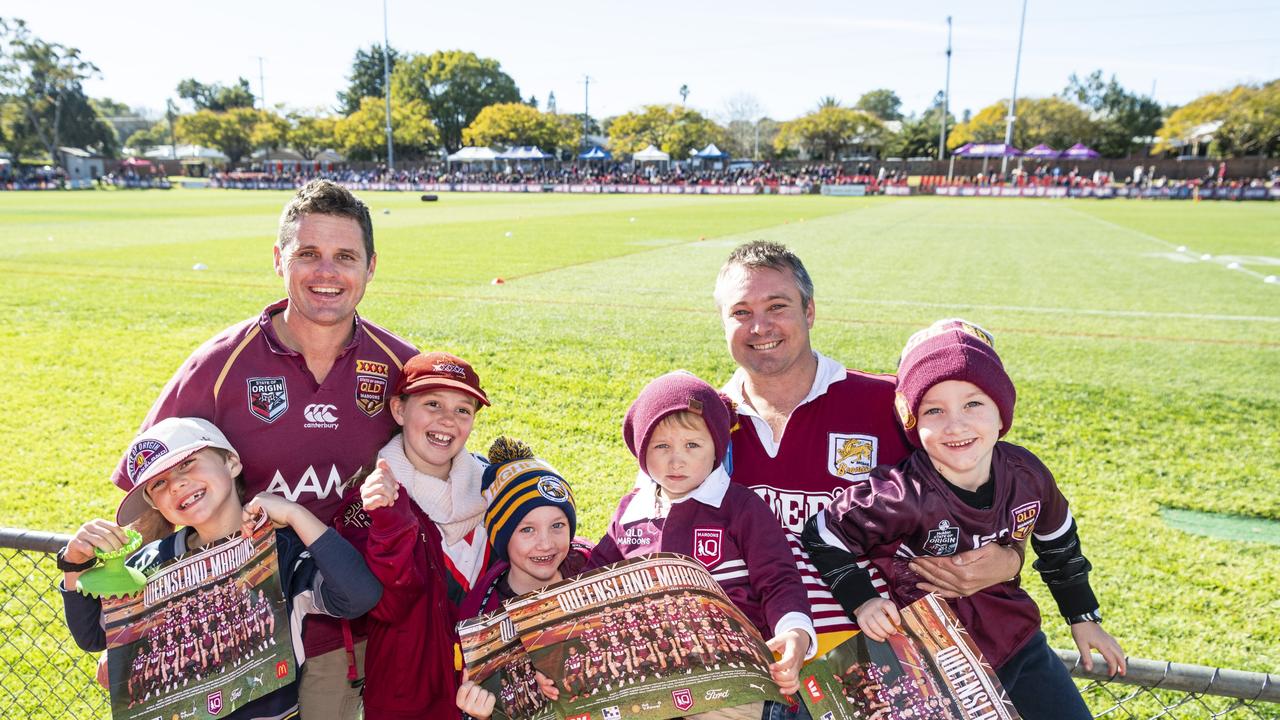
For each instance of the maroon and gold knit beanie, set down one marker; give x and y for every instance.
(951, 350)
(671, 393)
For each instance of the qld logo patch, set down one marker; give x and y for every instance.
(268, 398)
(707, 546)
(213, 701)
(682, 698)
(942, 540)
(1024, 520)
(141, 455)
(851, 457)
(371, 386)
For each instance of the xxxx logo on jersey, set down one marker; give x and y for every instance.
(371, 386)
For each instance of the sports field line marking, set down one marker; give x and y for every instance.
(1074, 311)
(675, 244)
(1188, 250)
(419, 295)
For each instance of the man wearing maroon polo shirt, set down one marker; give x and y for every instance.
(300, 390)
(809, 427)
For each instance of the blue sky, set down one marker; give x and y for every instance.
(784, 55)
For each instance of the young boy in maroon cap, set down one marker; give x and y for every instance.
(961, 489)
(418, 522)
(187, 470)
(678, 429)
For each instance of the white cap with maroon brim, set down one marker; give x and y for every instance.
(159, 448)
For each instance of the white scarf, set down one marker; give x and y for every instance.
(455, 505)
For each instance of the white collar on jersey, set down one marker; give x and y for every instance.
(829, 372)
(711, 493)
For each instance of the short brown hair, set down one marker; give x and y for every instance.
(325, 197)
(775, 256)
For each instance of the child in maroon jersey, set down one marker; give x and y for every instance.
(679, 428)
(962, 489)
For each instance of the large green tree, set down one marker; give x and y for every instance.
(42, 82)
(1120, 115)
(366, 78)
(519, 124)
(829, 130)
(1052, 121)
(1248, 119)
(675, 129)
(362, 135)
(883, 103)
(216, 97)
(455, 85)
(234, 132)
(309, 134)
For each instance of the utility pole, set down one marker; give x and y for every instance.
(386, 88)
(946, 98)
(1013, 99)
(262, 84)
(586, 110)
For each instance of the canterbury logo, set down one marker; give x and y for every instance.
(320, 413)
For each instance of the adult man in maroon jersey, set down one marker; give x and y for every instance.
(809, 427)
(300, 391)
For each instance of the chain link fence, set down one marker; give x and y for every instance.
(44, 676)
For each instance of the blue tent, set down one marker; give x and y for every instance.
(711, 152)
(595, 153)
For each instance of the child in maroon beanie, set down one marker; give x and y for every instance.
(961, 489)
(678, 429)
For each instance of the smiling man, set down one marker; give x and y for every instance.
(808, 426)
(301, 392)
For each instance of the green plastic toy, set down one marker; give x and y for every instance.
(113, 578)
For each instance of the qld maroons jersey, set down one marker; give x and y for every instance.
(843, 428)
(296, 438)
(908, 511)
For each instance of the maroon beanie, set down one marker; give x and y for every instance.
(951, 350)
(671, 393)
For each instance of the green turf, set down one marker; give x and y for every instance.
(1144, 380)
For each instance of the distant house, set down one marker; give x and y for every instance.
(81, 164)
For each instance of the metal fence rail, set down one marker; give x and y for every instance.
(43, 675)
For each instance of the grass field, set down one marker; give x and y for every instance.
(1147, 378)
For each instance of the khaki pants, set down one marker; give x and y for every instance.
(324, 692)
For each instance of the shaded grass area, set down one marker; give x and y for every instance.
(1143, 382)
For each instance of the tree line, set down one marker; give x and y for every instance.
(452, 98)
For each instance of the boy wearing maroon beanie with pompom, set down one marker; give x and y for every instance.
(961, 489)
(678, 429)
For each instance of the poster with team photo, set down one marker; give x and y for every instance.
(932, 671)
(644, 639)
(207, 635)
(497, 662)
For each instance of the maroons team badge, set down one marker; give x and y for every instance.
(1024, 520)
(371, 386)
(683, 698)
(708, 544)
(213, 702)
(942, 540)
(851, 457)
(268, 398)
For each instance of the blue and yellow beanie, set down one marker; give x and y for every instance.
(516, 482)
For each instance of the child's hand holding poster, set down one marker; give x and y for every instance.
(207, 635)
(931, 671)
(649, 639)
(498, 663)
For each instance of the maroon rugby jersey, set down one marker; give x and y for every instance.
(835, 436)
(730, 531)
(908, 511)
(295, 438)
